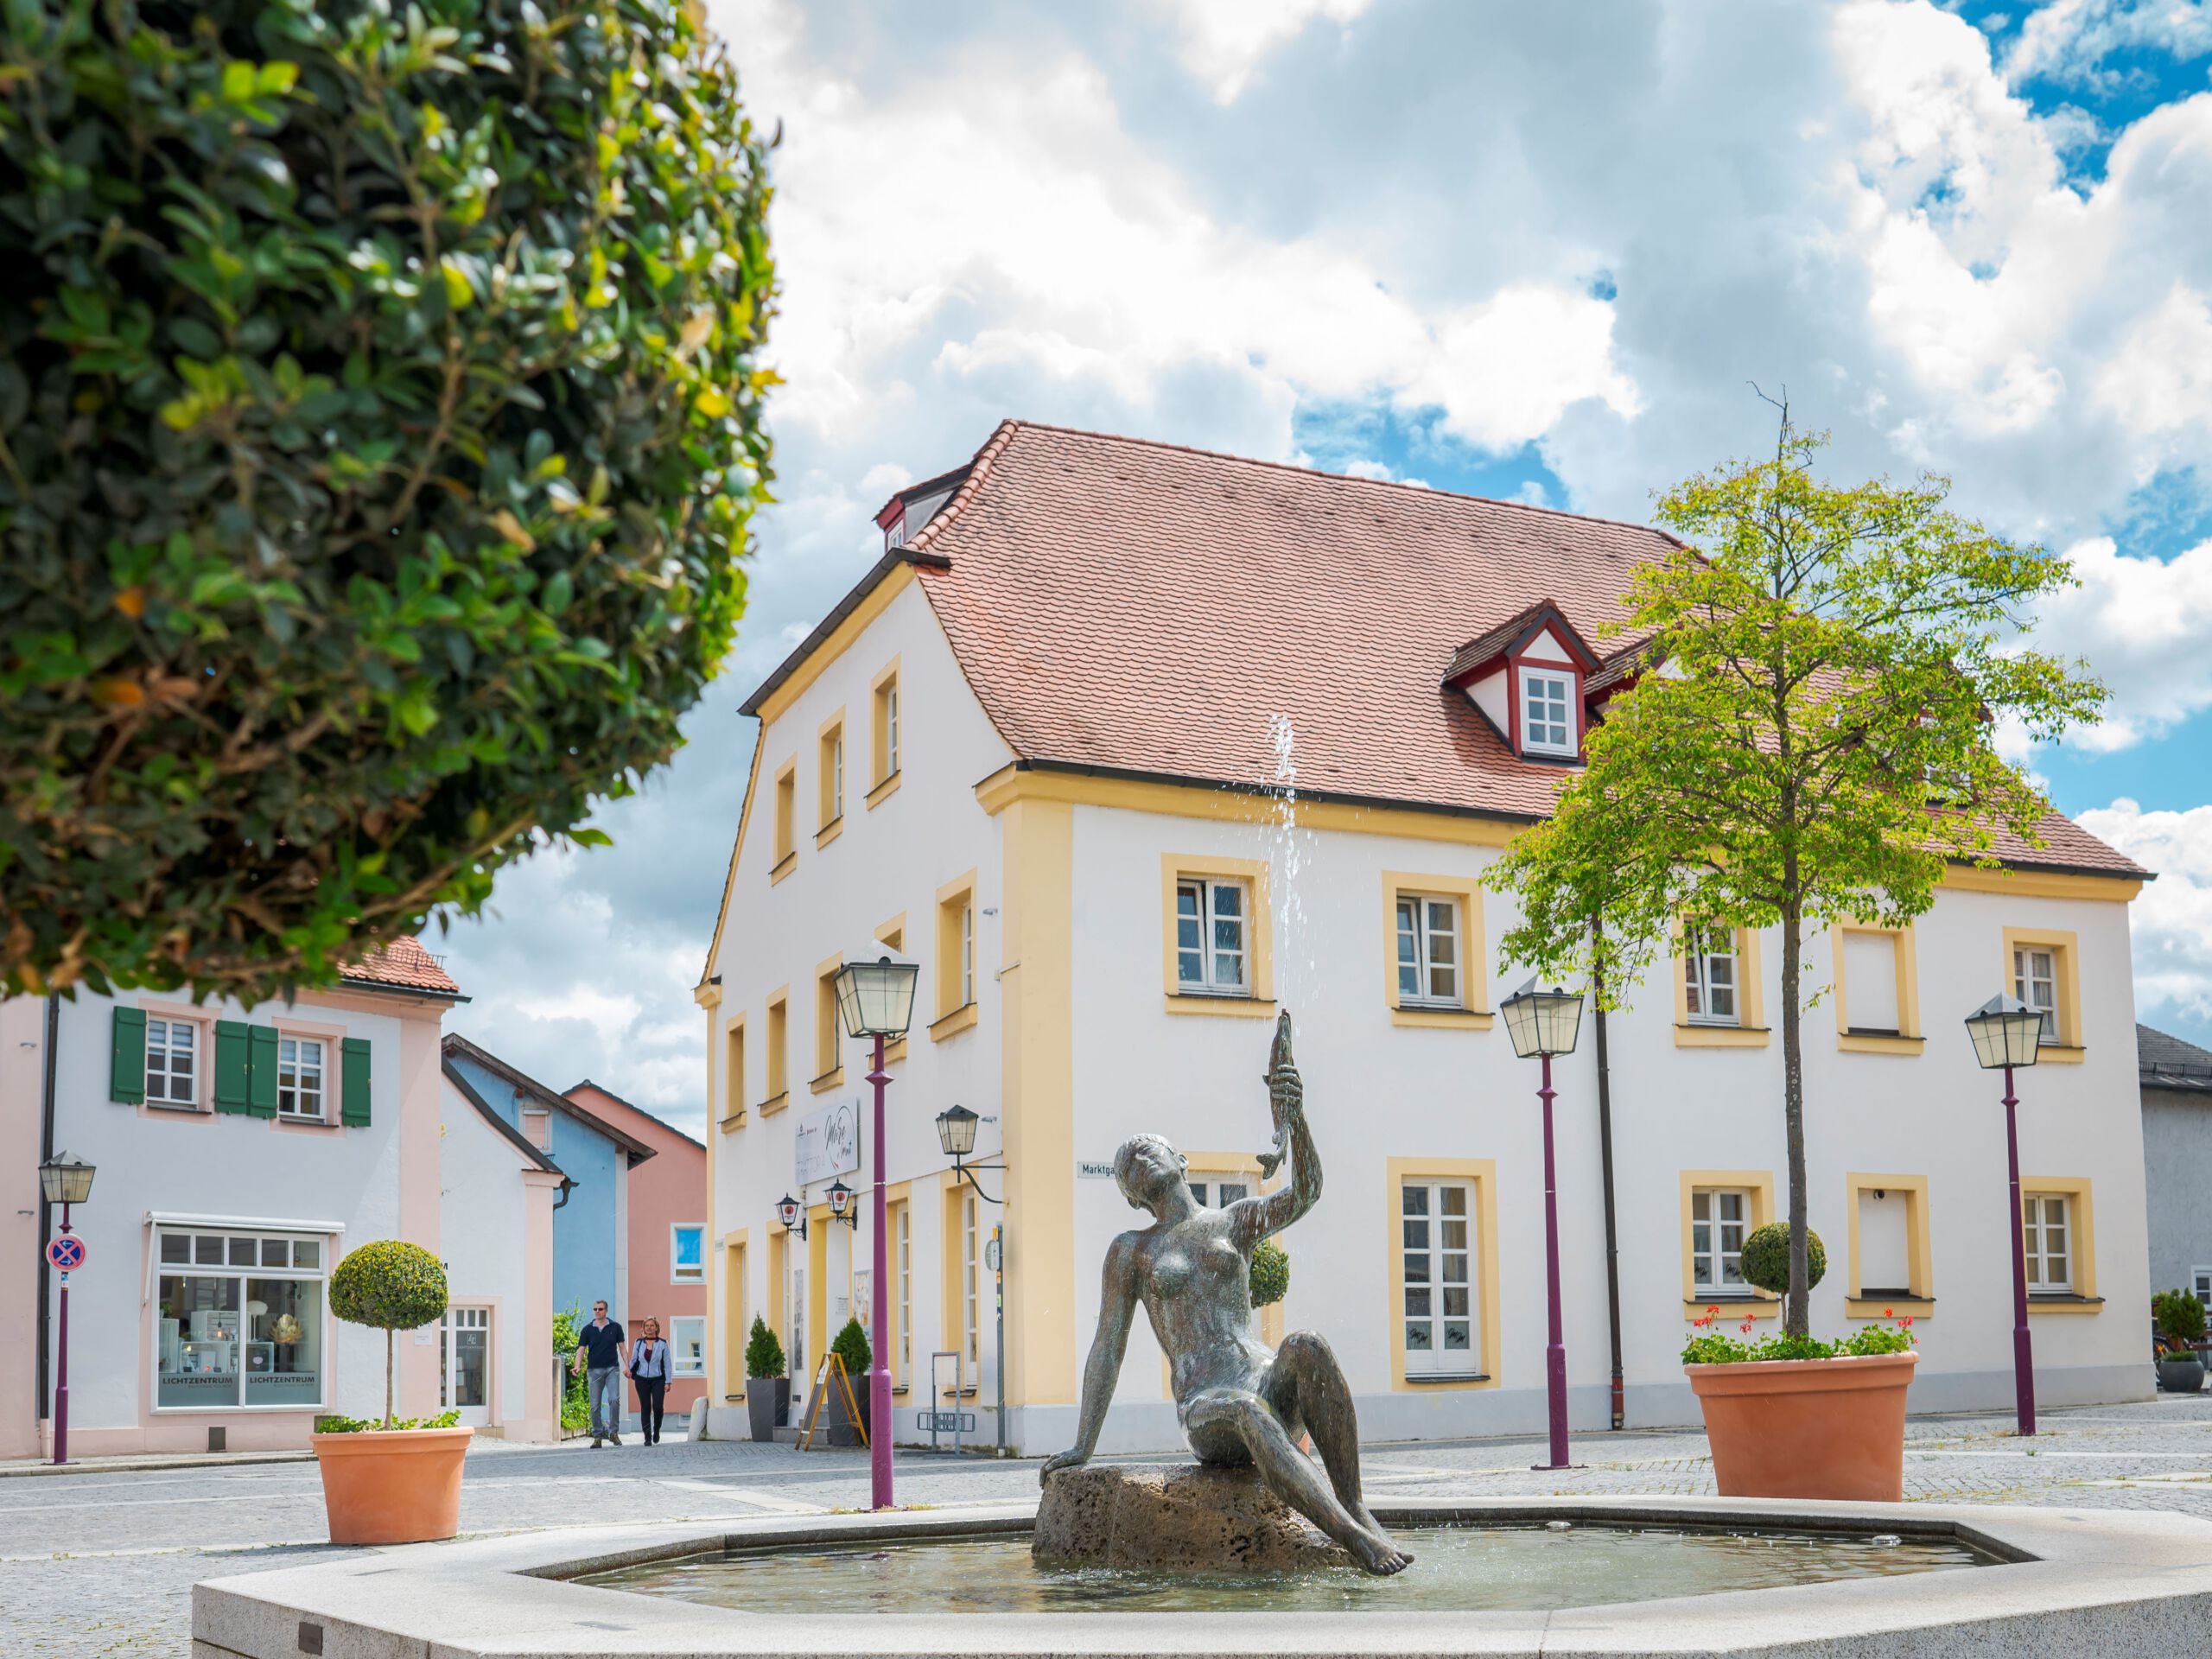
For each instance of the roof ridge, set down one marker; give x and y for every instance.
(1429, 490)
(978, 469)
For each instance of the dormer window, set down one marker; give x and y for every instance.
(1548, 711)
(1529, 676)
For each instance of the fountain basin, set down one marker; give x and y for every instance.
(2091, 1581)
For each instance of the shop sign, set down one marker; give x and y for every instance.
(827, 1143)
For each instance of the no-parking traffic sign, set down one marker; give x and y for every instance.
(66, 1252)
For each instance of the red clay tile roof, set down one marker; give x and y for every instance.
(1141, 608)
(1486, 648)
(403, 964)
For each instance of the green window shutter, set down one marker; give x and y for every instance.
(261, 1070)
(354, 1113)
(231, 1064)
(127, 1068)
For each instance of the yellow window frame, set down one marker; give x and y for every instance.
(1920, 1302)
(1759, 1183)
(1908, 1038)
(1259, 1002)
(1474, 1012)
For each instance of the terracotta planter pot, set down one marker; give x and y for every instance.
(1831, 1428)
(397, 1488)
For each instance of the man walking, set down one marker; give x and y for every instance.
(599, 1358)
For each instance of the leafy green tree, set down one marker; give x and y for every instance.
(1811, 741)
(851, 1346)
(379, 429)
(391, 1285)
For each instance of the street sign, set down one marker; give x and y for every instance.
(66, 1252)
(945, 1422)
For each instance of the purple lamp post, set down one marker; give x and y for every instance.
(2007, 1032)
(876, 1000)
(1545, 1023)
(64, 1180)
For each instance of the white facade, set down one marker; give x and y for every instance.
(1079, 1039)
(202, 1318)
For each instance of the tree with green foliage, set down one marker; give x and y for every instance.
(389, 1285)
(380, 424)
(1767, 1256)
(1809, 741)
(764, 1354)
(851, 1347)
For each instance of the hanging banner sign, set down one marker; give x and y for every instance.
(827, 1143)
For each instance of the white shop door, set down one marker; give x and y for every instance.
(465, 1360)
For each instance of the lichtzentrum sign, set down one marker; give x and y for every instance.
(827, 1143)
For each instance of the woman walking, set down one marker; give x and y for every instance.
(649, 1375)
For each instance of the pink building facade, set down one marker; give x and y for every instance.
(667, 1238)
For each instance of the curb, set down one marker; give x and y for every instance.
(144, 1466)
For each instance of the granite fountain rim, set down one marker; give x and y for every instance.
(2079, 1575)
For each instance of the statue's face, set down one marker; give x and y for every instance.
(1152, 1168)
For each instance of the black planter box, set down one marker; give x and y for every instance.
(768, 1403)
(2181, 1375)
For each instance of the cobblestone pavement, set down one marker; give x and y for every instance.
(102, 1563)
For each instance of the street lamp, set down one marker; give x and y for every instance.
(841, 1204)
(2007, 1032)
(1545, 1023)
(875, 999)
(64, 1180)
(955, 1133)
(792, 1214)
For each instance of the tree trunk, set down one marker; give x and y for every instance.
(387, 1377)
(1795, 1313)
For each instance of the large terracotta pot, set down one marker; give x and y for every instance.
(1831, 1428)
(399, 1487)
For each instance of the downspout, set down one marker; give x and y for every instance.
(45, 1210)
(1606, 1167)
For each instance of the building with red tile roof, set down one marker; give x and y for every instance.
(1130, 746)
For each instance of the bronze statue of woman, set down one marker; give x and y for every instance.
(1238, 1403)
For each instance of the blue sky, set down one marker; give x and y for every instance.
(1538, 252)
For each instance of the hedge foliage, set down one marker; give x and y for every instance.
(390, 1284)
(379, 429)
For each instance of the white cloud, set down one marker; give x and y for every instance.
(2068, 40)
(2142, 623)
(1201, 221)
(2172, 919)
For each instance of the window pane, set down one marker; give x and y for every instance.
(176, 1247)
(196, 1340)
(244, 1254)
(1228, 898)
(1416, 1234)
(208, 1249)
(1231, 1192)
(283, 1346)
(306, 1252)
(1455, 1271)
(1416, 1337)
(1455, 1233)
(1454, 1200)
(1701, 1206)
(1416, 1268)
(275, 1252)
(1417, 1304)
(1455, 1336)
(1414, 1201)
(1455, 1300)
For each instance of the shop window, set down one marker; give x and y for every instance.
(246, 1338)
(687, 1344)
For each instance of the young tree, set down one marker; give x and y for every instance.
(379, 428)
(1809, 741)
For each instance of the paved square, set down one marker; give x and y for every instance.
(100, 1563)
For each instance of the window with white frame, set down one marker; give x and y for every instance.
(1428, 952)
(902, 1235)
(686, 1345)
(970, 1301)
(299, 1077)
(1719, 1216)
(2200, 1280)
(968, 951)
(1211, 946)
(1546, 711)
(172, 1062)
(237, 1320)
(2035, 982)
(1709, 977)
(687, 1254)
(2047, 1242)
(1436, 1241)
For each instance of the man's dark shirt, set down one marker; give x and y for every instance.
(601, 1345)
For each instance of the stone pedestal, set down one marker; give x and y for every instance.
(1183, 1517)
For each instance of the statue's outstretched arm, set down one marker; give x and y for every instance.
(1117, 1306)
(1255, 1218)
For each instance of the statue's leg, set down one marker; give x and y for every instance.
(1290, 1475)
(1306, 1384)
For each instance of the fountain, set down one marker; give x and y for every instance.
(1252, 1549)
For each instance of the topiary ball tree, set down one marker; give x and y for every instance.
(1270, 1273)
(379, 429)
(764, 1354)
(1766, 1258)
(392, 1285)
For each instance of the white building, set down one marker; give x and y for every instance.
(240, 1153)
(1032, 748)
